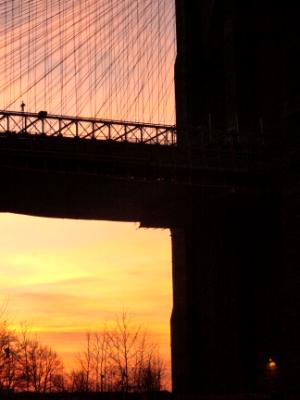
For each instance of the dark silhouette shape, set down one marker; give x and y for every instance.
(236, 259)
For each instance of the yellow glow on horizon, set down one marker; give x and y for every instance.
(66, 277)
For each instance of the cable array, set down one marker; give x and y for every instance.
(110, 59)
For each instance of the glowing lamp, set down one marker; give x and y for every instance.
(271, 364)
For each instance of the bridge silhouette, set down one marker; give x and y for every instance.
(225, 179)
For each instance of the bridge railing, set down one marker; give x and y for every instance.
(42, 123)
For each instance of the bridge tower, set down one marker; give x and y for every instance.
(235, 321)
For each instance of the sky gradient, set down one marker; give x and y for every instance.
(66, 277)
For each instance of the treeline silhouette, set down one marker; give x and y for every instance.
(120, 358)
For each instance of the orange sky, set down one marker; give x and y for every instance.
(112, 60)
(66, 277)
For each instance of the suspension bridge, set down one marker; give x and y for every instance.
(86, 87)
(89, 129)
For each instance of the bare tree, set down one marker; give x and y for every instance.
(123, 341)
(58, 382)
(148, 371)
(4, 343)
(77, 381)
(8, 358)
(39, 364)
(24, 344)
(120, 358)
(101, 360)
(153, 373)
(85, 361)
(25, 364)
(94, 365)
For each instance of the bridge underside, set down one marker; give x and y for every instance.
(70, 178)
(90, 179)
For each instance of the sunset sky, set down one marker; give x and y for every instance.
(66, 277)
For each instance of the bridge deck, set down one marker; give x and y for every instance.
(42, 123)
(71, 177)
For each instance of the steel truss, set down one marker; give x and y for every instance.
(42, 123)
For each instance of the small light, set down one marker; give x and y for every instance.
(271, 364)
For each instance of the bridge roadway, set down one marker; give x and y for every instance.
(73, 177)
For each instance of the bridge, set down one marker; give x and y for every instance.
(225, 179)
(42, 124)
(124, 171)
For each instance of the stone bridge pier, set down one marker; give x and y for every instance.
(227, 279)
(236, 317)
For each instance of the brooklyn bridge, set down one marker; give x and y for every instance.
(93, 126)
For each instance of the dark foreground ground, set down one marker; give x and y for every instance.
(136, 396)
